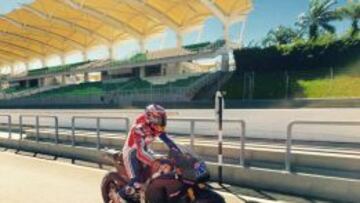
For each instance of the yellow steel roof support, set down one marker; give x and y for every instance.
(222, 16)
(242, 14)
(21, 48)
(215, 10)
(13, 55)
(46, 27)
(6, 57)
(31, 28)
(32, 41)
(5, 60)
(147, 8)
(66, 23)
(103, 17)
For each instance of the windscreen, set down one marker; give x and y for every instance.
(192, 167)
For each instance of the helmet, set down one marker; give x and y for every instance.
(157, 116)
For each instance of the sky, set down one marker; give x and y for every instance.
(269, 14)
(265, 15)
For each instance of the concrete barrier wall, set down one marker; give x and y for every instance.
(330, 188)
(80, 153)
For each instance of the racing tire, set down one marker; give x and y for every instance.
(111, 180)
(208, 196)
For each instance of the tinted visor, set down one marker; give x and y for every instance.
(159, 120)
(163, 121)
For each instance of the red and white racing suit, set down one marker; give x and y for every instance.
(135, 151)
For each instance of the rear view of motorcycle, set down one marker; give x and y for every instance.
(180, 177)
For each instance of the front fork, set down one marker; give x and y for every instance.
(142, 196)
(191, 194)
(191, 191)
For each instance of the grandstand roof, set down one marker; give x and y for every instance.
(47, 27)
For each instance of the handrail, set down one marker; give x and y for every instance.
(191, 120)
(98, 126)
(9, 124)
(288, 155)
(192, 131)
(37, 125)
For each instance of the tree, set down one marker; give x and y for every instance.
(280, 36)
(352, 12)
(318, 17)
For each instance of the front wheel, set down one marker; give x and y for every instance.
(208, 196)
(111, 180)
(164, 190)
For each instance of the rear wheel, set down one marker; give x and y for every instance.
(111, 180)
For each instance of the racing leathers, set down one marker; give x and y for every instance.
(136, 154)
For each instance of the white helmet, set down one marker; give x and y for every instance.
(156, 115)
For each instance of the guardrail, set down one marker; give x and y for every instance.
(290, 126)
(98, 126)
(192, 132)
(192, 127)
(9, 124)
(37, 125)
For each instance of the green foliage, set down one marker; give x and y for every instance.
(324, 52)
(318, 17)
(312, 83)
(323, 68)
(351, 12)
(280, 36)
(318, 67)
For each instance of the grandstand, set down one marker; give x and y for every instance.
(46, 28)
(93, 88)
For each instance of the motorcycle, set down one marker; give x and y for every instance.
(180, 177)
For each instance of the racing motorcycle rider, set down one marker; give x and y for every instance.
(146, 128)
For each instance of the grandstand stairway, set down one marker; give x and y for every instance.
(209, 90)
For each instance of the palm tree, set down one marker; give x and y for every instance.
(318, 17)
(279, 36)
(352, 12)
